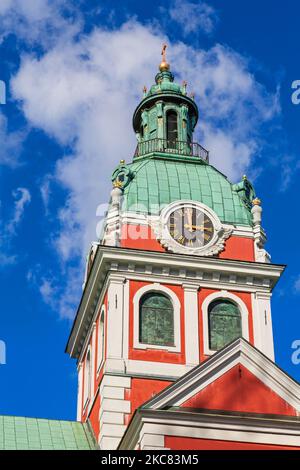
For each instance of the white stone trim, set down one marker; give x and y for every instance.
(79, 391)
(243, 275)
(262, 323)
(152, 441)
(94, 359)
(142, 219)
(238, 352)
(101, 338)
(215, 245)
(223, 294)
(115, 295)
(150, 369)
(156, 287)
(228, 428)
(87, 378)
(113, 408)
(126, 319)
(191, 324)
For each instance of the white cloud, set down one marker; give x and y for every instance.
(62, 297)
(193, 16)
(22, 199)
(38, 21)
(11, 143)
(83, 91)
(8, 230)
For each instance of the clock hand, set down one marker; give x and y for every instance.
(190, 216)
(197, 227)
(189, 227)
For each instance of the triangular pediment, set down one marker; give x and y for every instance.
(238, 378)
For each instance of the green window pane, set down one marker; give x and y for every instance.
(156, 320)
(225, 323)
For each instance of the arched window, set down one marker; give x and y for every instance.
(225, 323)
(156, 322)
(100, 341)
(172, 130)
(87, 378)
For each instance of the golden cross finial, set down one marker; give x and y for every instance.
(163, 53)
(164, 66)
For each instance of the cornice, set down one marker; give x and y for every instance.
(188, 269)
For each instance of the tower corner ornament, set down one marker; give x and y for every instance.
(179, 283)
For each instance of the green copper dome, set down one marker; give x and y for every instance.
(153, 183)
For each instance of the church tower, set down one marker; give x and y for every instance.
(180, 272)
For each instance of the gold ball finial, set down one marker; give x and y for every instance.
(256, 202)
(122, 162)
(164, 66)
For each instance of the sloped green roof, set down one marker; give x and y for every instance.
(159, 181)
(18, 433)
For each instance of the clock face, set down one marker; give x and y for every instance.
(190, 227)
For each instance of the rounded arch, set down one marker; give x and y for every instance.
(223, 295)
(156, 287)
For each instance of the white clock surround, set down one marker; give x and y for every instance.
(161, 231)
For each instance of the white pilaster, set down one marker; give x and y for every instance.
(191, 324)
(113, 409)
(94, 361)
(262, 323)
(115, 323)
(126, 320)
(79, 393)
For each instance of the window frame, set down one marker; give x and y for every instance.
(156, 288)
(223, 295)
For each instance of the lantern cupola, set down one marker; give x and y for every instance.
(165, 119)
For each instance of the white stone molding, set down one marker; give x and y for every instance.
(191, 324)
(210, 426)
(93, 360)
(156, 287)
(114, 319)
(160, 228)
(223, 294)
(79, 391)
(151, 267)
(262, 323)
(113, 408)
(101, 338)
(238, 352)
(261, 255)
(87, 378)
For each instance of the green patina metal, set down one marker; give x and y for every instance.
(155, 179)
(19, 433)
(150, 117)
(156, 320)
(224, 323)
(158, 180)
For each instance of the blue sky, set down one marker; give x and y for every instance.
(74, 72)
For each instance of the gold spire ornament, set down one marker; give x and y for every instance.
(164, 66)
